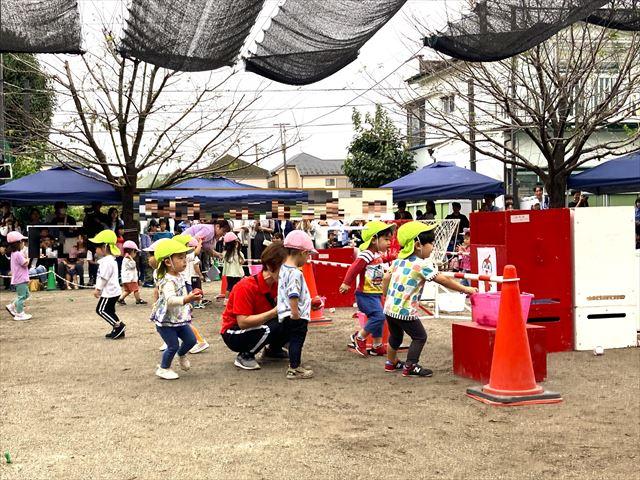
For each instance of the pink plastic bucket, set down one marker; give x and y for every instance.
(485, 307)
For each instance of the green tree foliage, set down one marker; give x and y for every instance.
(377, 154)
(29, 102)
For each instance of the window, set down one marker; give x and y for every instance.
(448, 103)
(415, 124)
(330, 182)
(272, 184)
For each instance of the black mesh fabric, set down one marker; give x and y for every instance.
(498, 29)
(308, 40)
(189, 35)
(39, 26)
(620, 14)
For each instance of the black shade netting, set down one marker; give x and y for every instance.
(499, 29)
(309, 40)
(39, 26)
(188, 35)
(619, 14)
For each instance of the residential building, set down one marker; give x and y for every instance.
(242, 171)
(306, 171)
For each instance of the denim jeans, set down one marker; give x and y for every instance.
(170, 335)
(371, 306)
(40, 271)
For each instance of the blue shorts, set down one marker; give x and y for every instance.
(371, 306)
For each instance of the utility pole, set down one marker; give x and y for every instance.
(283, 142)
(472, 130)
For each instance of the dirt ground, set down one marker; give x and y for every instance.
(74, 405)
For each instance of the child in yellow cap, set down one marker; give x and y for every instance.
(403, 284)
(107, 288)
(369, 267)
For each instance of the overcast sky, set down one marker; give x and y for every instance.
(322, 109)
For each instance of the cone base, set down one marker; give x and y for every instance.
(320, 321)
(513, 401)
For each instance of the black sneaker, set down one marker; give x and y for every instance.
(119, 331)
(140, 302)
(279, 354)
(416, 371)
(110, 334)
(121, 302)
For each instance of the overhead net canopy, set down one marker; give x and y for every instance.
(499, 29)
(189, 35)
(37, 26)
(619, 14)
(308, 40)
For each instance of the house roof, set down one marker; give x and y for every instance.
(309, 166)
(232, 167)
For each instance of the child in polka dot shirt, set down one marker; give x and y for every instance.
(403, 284)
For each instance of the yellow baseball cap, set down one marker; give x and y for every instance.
(183, 238)
(170, 247)
(372, 229)
(109, 237)
(407, 234)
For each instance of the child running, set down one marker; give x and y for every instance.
(130, 273)
(19, 275)
(294, 300)
(107, 288)
(370, 268)
(172, 311)
(405, 281)
(233, 261)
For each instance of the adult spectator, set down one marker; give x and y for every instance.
(430, 211)
(263, 229)
(162, 232)
(284, 227)
(60, 216)
(321, 229)
(508, 202)
(402, 213)
(35, 217)
(250, 319)
(538, 192)
(487, 204)
(637, 210)
(115, 221)
(456, 215)
(419, 215)
(579, 200)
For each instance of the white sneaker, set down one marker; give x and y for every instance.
(166, 373)
(199, 347)
(11, 308)
(22, 316)
(163, 347)
(184, 362)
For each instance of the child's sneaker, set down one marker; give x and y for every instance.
(393, 367)
(163, 347)
(11, 308)
(140, 302)
(121, 302)
(378, 351)
(300, 372)
(118, 332)
(416, 371)
(184, 362)
(166, 373)
(199, 347)
(360, 345)
(22, 316)
(110, 334)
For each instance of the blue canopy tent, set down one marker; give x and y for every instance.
(615, 176)
(444, 180)
(73, 186)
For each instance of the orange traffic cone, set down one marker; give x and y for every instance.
(317, 316)
(223, 288)
(512, 381)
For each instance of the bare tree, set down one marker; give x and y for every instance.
(129, 119)
(567, 96)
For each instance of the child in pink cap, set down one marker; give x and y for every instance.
(130, 273)
(294, 300)
(19, 275)
(232, 262)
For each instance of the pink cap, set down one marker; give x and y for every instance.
(13, 237)
(300, 241)
(230, 237)
(152, 247)
(193, 243)
(130, 244)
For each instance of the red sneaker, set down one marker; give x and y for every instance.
(360, 346)
(390, 367)
(379, 351)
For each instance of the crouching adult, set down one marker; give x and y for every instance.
(250, 320)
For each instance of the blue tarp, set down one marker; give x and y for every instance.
(443, 180)
(615, 176)
(222, 191)
(76, 187)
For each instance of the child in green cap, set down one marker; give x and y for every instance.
(108, 289)
(403, 284)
